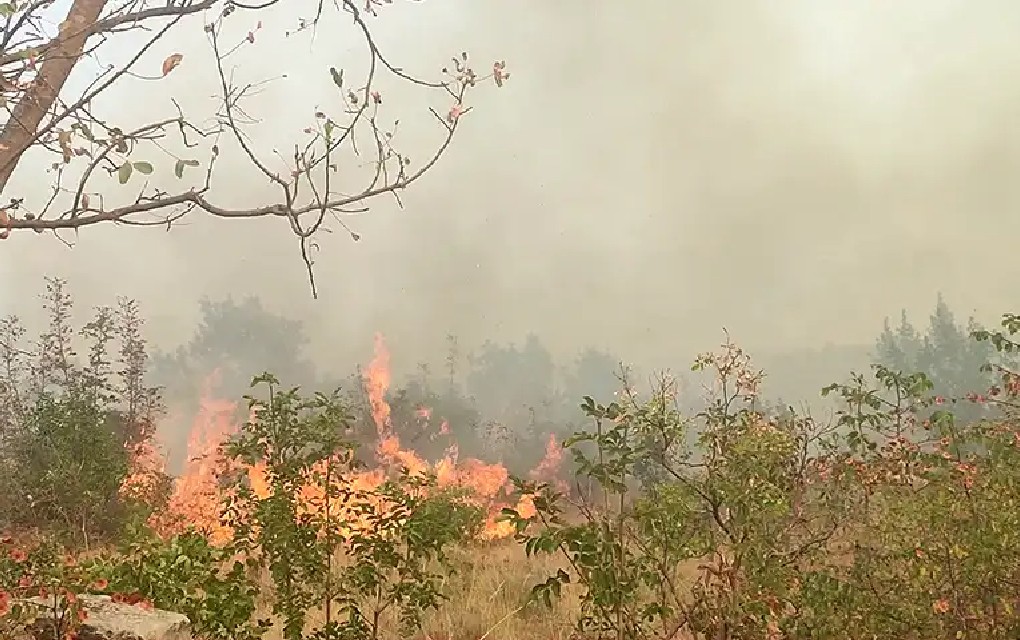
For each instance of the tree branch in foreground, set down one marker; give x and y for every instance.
(95, 161)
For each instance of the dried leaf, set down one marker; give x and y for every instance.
(64, 140)
(5, 221)
(499, 72)
(171, 63)
(84, 201)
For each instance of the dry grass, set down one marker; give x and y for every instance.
(487, 594)
(488, 590)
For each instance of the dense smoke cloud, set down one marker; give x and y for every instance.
(654, 171)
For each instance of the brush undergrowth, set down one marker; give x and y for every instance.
(733, 524)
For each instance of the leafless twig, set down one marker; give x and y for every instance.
(34, 65)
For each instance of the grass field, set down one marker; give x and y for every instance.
(488, 591)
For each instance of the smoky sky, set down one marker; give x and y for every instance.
(654, 171)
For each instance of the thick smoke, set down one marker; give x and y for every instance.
(655, 170)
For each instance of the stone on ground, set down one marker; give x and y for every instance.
(108, 620)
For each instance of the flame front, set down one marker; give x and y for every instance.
(377, 383)
(197, 497)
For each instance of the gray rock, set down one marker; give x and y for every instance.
(108, 620)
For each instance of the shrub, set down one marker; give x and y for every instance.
(892, 522)
(329, 535)
(69, 424)
(362, 548)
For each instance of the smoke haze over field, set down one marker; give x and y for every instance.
(655, 170)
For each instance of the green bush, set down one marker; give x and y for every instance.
(892, 522)
(73, 408)
(360, 563)
(69, 462)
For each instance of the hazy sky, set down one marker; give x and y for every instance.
(654, 171)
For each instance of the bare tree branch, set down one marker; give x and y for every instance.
(102, 158)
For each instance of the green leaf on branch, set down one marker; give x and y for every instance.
(143, 167)
(124, 172)
(181, 164)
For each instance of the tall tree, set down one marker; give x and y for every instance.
(945, 352)
(899, 348)
(594, 373)
(514, 388)
(510, 381)
(237, 340)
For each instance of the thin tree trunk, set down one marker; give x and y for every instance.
(37, 101)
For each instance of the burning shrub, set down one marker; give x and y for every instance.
(357, 543)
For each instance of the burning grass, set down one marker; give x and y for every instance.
(197, 496)
(487, 581)
(876, 534)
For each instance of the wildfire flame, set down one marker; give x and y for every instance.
(197, 497)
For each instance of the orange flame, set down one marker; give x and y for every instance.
(377, 383)
(549, 467)
(146, 467)
(196, 500)
(197, 496)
